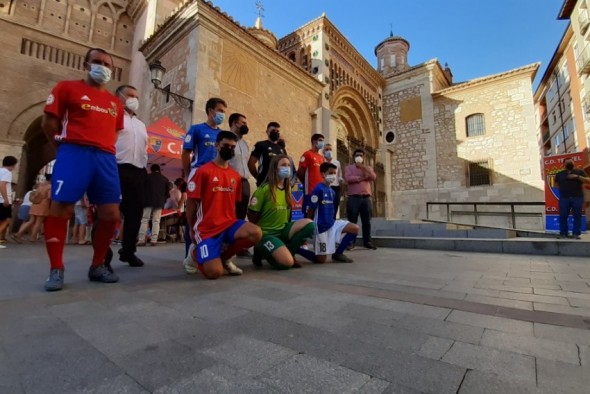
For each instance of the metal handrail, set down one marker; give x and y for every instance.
(477, 213)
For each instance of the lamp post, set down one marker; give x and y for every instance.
(157, 71)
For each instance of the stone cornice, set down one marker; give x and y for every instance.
(195, 13)
(135, 8)
(529, 70)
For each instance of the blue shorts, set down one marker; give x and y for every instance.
(81, 215)
(82, 169)
(23, 213)
(210, 248)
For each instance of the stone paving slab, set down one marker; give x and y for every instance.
(396, 321)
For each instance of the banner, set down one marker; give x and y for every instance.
(297, 208)
(551, 166)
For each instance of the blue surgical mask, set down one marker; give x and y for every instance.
(284, 172)
(100, 74)
(328, 154)
(219, 118)
(319, 144)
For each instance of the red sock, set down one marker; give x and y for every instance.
(102, 240)
(237, 246)
(56, 230)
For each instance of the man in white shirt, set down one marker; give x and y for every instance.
(132, 161)
(239, 126)
(8, 164)
(330, 158)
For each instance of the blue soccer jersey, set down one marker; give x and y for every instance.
(200, 139)
(322, 201)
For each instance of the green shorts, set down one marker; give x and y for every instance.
(271, 242)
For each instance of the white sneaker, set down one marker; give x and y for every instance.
(2, 246)
(231, 268)
(190, 265)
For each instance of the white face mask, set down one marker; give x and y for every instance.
(331, 178)
(132, 104)
(358, 159)
(100, 74)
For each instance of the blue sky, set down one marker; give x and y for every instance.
(476, 37)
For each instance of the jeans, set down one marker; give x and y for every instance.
(575, 204)
(362, 205)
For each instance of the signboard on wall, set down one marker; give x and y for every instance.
(551, 166)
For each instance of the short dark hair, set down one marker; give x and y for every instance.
(87, 56)
(233, 118)
(226, 135)
(155, 168)
(48, 177)
(9, 161)
(317, 136)
(358, 151)
(273, 124)
(212, 103)
(122, 88)
(324, 167)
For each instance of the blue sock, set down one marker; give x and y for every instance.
(308, 254)
(346, 240)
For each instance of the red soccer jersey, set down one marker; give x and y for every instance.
(217, 190)
(311, 161)
(88, 116)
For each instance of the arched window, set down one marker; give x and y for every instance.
(292, 57)
(475, 125)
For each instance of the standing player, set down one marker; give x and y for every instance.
(216, 189)
(83, 117)
(329, 231)
(309, 168)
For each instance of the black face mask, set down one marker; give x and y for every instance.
(569, 166)
(274, 135)
(226, 153)
(244, 130)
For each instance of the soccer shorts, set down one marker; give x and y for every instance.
(82, 169)
(325, 243)
(271, 242)
(210, 248)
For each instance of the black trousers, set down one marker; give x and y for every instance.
(242, 206)
(336, 199)
(132, 192)
(362, 205)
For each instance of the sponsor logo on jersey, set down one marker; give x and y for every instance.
(96, 108)
(223, 189)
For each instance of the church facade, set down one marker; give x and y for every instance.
(428, 138)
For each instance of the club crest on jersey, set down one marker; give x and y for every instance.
(113, 109)
(302, 159)
(188, 138)
(50, 99)
(191, 186)
(253, 201)
(233, 181)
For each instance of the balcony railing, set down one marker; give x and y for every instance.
(583, 21)
(583, 61)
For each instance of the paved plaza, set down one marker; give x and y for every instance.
(395, 321)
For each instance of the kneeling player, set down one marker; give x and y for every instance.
(328, 230)
(216, 188)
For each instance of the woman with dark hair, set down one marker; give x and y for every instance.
(270, 209)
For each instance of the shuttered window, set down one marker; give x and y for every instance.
(475, 125)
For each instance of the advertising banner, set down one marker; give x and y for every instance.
(551, 166)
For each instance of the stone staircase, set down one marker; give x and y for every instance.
(447, 236)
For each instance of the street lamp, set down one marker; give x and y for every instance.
(157, 72)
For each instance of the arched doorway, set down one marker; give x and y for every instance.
(357, 128)
(36, 153)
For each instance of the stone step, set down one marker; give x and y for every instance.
(528, 245)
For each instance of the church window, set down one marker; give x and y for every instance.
(480, 173)
(292, 56)
(475, 125)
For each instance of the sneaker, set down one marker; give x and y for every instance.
(131, 259)
(189, 263)
(369, 245)
(231, 268)
(257, 259)
(577, 237)
(340, 258)
(100, 273)
(55, 281)
(2, 246)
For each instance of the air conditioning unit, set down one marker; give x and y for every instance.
(390, 138)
